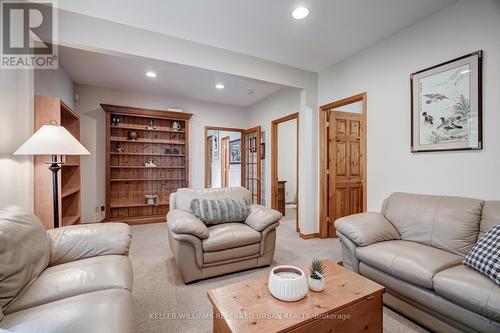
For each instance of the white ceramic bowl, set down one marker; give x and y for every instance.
(287, 283)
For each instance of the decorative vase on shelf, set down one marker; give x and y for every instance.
(316, 278)
(176, 126)
(151, 199)
(132, 135)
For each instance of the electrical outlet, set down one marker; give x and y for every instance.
(103, 208)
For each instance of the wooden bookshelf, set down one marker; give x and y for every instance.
(51, 110)
(128, 179)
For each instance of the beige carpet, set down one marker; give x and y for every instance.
(164, 304)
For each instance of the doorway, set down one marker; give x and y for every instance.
(343, 163)
(233, 158)
(285, 168)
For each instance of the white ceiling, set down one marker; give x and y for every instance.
(334, 29)
(110, 71)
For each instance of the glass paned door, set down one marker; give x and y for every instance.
(251, 150)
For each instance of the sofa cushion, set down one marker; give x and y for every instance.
(485, 255)
(366, 228)
(184, 196)
(490, 217)
(470, 289)
(448, 223)
(74, 278)
(182, 222)
(262, 217)
(428, 302)
(108, 310)
(412, 262)
(24, 252)
(239, 253)
(229, 235)
(220, 210)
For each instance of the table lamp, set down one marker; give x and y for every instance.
(56, 141)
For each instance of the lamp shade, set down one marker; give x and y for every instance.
(52, 140)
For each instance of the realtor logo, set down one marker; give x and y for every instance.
(29, 35)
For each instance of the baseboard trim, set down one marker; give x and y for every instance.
(308, 236)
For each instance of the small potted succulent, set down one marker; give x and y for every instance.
(316, 278)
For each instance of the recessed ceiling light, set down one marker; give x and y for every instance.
(151, 74)
(219, 86)
(300, 13)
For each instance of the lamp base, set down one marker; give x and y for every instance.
(55, 166)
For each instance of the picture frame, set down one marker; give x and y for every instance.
(235, 151)
(446, 105)
(216, 145)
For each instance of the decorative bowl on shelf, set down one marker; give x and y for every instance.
(132, 135)
(151, 199)
(287, 283)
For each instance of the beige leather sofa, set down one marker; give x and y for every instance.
(415, 248)
(201, 252)
(74, 279)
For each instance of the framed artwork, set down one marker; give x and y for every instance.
(235, 151)
(446, 106)
(216, 145)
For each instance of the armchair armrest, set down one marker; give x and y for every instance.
(366, 228)
(261, 217)
(182, 222)
(88, 240)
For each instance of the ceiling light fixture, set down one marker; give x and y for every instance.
(300, 13)
(219, 86)
(151, 74)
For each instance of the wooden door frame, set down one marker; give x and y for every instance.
(208, 170)
(274, 162)
(323, 156)
(218, 128)
(223, 173)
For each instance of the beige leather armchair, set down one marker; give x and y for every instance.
(73, 279)
(415, 248)
(201, 252)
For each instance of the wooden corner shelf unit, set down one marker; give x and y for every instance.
(134, 137)
(51, 110)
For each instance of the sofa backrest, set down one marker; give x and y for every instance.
(448, 223)
(490, 217)
(183, 197)
(24, 252)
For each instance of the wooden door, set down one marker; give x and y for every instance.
(251, 171)
(345, 159)
(224, 162)
(208, 161)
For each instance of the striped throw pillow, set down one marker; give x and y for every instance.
(220, 210)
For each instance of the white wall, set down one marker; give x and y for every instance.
(16, 126)
(93, 135)
(279, 104)
(383, 71)
(55, 82)
(234, 169)
(287, 157)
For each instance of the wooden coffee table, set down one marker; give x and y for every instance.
(349, 303)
